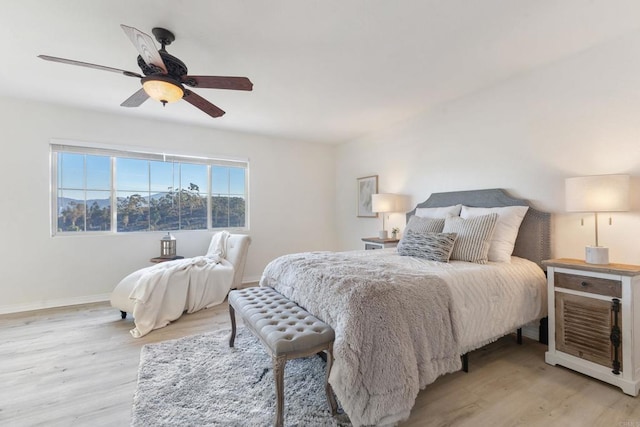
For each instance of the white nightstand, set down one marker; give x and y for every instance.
(594, 320)
(375, 243)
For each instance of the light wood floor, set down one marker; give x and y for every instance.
(78, 366)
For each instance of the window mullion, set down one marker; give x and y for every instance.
(179, 193)
(228, 197)
(209, 197)
(54, 198)
(148, 196)
(114, 197)
(84, 190)
(246, 197)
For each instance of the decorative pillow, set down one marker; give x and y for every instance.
(438, 212)
(424, 225)
(506, 232)
(474, 236)
(431, 246)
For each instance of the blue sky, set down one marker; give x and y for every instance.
(140, 176)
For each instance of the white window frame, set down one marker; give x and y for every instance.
(58, 146)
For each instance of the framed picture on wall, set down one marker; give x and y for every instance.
(367, 186)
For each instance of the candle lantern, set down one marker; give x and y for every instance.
(168, 246)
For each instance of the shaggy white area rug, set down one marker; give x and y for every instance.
(200, 381)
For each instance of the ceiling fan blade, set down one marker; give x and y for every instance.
(218, 82)
(88, 65)
(201, 103)
(136, 99)
(145, 46)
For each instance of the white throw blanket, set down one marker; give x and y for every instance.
(394, 332)
(164, 291)
(395, 323)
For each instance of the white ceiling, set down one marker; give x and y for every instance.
(326, 71)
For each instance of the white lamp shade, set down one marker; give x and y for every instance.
(402, 203)
(600, 193)
(383, 202)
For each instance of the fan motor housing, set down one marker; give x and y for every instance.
(175, 67)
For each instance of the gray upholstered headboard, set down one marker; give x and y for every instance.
(534, 237)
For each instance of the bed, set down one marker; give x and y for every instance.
(403, 321)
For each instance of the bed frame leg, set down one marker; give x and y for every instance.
(465, 362)
(519, 338)
(543, 331)
(123, 314)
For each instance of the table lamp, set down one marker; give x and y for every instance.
(600, 193)
(384, 203)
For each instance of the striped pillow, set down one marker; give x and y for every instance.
(474, 236)
(431, 246)
(424, 225)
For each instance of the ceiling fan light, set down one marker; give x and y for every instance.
(162, 89)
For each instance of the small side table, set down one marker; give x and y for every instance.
(160, 259)
(376, 243)
(594, 322)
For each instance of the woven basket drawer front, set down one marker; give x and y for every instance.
(593, 285)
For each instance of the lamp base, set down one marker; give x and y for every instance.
(596, 255)
(383, 234)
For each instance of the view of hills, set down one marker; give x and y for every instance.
(177, 210)
(64, 202)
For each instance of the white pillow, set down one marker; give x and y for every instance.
(506, 232)
(438, 212)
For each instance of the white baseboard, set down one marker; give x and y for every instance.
(251, 280)
(64, 302)
(54, 303)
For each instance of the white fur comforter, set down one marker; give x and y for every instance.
(401, 322)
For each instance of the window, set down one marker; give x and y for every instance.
(83, 193)
(101, 190)
(227, 196)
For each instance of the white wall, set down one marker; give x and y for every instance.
(579, 116)
(291, 202)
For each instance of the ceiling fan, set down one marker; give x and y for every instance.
(165, 76)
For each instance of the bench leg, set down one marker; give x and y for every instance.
(519, 336)
(232, 314)
(278, 376)
(331, 399)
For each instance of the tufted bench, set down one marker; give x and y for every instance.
(286, 330)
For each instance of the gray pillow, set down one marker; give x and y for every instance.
(474, 236)
(424, 225)
(431, 246)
